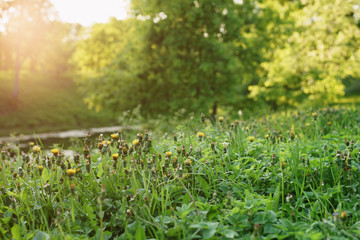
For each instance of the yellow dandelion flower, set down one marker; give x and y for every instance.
(307, 124)
(221, 119)
(187, 162)
(135, 142)
(168, 154)
(106, 142)
(114, 136)
(267, 136)
(251, 138)
(343, 214)
(31, 144)
(115, 156)
(40, 168)
(329, 123)
(71, 172)
(36, 149)
(200, 134)
(55, 151)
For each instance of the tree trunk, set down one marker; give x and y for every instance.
(17, 78)
(214, 110)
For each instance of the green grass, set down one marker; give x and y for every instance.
(279, 177)
(45, 105)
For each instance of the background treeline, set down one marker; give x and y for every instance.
(184, 55)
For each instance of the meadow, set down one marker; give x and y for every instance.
(291, 175)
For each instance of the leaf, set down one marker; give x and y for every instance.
(229, 233)
(45, 175)
(41, 236)
(100, 170)
(173, 232)
(210, 232)
(140, 233)
(15, 231)
(203, 185)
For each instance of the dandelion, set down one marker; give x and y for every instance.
(267, 136)
(168, 154)
(31, 144)
(221, 119)
(187, 162)
(115, 156)
(329, 123)
(282, 165)
(135, 142)
(251, 138)
(343, 214)
(71, 172)
(72, 188)
(106, 143)
(55, 151)
(200, 134)
(36, 149)
(315, 115)
(114, 136)
(307, 124)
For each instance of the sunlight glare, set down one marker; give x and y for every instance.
(88, 12)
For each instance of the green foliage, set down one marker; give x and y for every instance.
(178, 52)
(314, 56)
(45, 105)
(292, 175)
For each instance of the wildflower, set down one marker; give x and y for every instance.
(31, 144)
(135, 142)
(307, 124)
(187, 162)
(282, 165)
(267, 136)
(200, 134)
(55, 151)
(221, 119)
(72, 188)
(315, 115)
(185, 175)
(115, 156)
(168, 154)
(40, 168)
(329, 123)
(36, 149)
(343, 214)
(71, 172)
(140, 136)
(251, 138)
(106, 143)
(114, 136)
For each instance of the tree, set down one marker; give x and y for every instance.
(25, 30)
(181, 55)
(320, 51)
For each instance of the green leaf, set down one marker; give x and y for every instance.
(15, 231)
(229, 233)
(140, 233)
(41, 236)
